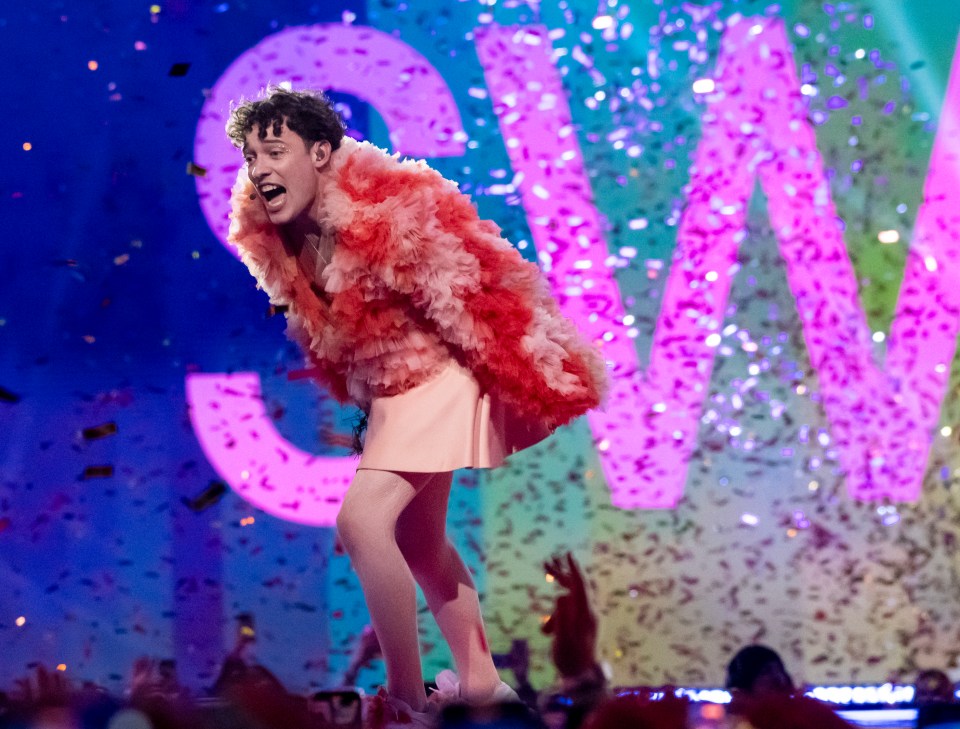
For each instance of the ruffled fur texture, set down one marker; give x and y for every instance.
(415, 276)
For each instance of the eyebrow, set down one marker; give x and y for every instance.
(245, 149)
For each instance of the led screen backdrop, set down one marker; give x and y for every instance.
(751, 207)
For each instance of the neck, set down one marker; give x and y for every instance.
(308, 225)
(298, 232)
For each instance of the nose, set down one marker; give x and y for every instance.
(258, 170)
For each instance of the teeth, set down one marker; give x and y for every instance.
(271, 191)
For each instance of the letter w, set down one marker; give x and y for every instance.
(754, 126)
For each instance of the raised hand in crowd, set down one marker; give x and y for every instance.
(573, 624)
(43, 688)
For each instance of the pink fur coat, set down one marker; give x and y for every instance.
(415, 276)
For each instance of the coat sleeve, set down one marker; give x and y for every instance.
(320, 371)
(258, 245)
(425, 240)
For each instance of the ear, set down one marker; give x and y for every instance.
(321, 151)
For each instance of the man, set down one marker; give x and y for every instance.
(414, 309)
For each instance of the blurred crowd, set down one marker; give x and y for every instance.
(247, 695)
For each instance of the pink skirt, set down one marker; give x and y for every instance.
(444, 424)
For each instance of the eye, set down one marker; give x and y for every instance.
(276, 153)
(248, 159)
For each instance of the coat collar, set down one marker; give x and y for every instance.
(261, 246)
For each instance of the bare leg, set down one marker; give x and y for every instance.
(367, 526)
(447, 585)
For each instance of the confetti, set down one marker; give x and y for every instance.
(8, 396)
(97, 472)
(206, 498)
(888, 236)
(99, 431)
(196, 170)
(179, 69)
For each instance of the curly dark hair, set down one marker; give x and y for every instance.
(308, 113)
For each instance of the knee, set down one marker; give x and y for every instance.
(352, 523)
(368, 516)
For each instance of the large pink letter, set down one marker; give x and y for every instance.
(882, 421)
(648, 430)
(239, 438)
(755, 123)
(227, 410)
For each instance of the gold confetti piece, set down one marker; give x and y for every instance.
(99, 431)
(21, 621)
(27, 146)
(7, 396)
(196, 170)
(89, 338)
(207, 498)
(98, 471)
(93, 65)
(121, 259)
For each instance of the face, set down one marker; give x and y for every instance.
(286, 172)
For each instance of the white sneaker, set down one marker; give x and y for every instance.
(504, 694)
(386, 712)
(448, 692)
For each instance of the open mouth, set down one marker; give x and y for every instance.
(272, 192)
